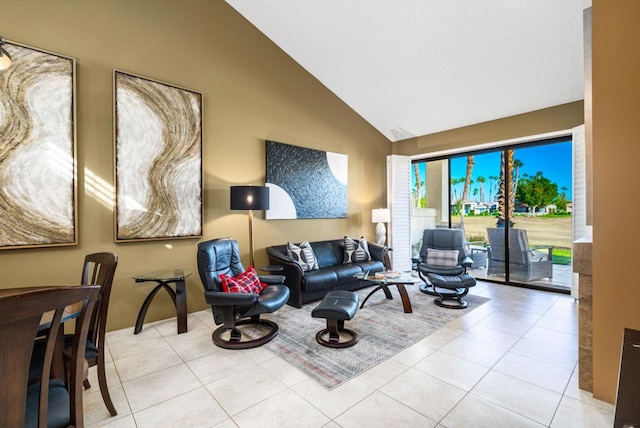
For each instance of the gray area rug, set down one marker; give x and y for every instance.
(383, 329)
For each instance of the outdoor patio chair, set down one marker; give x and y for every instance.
(525, 263)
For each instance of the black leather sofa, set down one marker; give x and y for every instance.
(332, 274)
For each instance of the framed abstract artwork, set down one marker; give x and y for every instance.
(38, 190)
(305, 183)
(158, 160)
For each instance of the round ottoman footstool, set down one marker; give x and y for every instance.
(336, 307)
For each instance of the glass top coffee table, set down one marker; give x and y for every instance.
(383, 284)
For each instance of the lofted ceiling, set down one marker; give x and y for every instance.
(417, 67)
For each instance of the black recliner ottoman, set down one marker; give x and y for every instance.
(459, 284)
(336, 307)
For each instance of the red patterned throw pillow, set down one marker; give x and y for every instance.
(246, 282)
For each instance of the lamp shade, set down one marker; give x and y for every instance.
(380, 215)
(249, 198)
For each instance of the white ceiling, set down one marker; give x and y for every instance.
(416, 67)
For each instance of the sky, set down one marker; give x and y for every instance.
(554, 160)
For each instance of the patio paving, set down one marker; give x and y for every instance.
(561, 277)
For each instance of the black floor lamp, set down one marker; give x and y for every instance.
(250, 198)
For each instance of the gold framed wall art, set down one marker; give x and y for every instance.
(38, 189)
(158, 160)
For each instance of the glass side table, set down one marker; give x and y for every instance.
(179, 296)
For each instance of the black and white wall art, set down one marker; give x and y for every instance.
(37, 150)
(158, 150)
(305, 183)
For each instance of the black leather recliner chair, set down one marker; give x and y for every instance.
(222, 256)
(445, 239)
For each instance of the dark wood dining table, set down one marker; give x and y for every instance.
(70, 312)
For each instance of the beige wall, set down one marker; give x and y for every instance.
(551, 119)
(616, 177)
(252, 91)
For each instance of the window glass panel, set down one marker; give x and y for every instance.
(528, 185)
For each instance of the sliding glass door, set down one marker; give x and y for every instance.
(474, 184)
(513, 203)
(540, 241)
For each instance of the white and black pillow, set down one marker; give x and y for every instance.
(356, 251)
(444, 258)
(303, 254)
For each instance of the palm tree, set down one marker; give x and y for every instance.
(453, 182)
(416, 171)
(492, 178)
(467, 183)
(517, 164)
(562, 203)
(454, 188)
(481, 180)
(506, 181)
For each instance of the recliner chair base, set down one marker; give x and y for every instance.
(446, 297)
(439, 291)
(453, 300)
(235, 338)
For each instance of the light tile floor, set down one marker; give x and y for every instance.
(510, 363)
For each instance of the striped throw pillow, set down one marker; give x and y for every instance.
(356, 251)
(303, 254)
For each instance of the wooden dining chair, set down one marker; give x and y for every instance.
(98, 269)
(49, 402)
